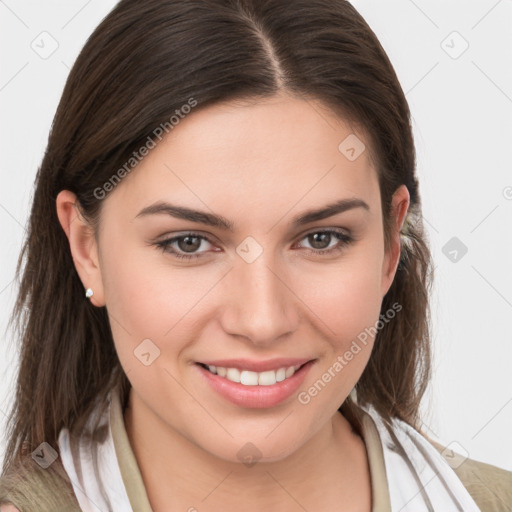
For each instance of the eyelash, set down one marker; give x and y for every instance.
(344, 240)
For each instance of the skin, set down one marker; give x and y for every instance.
(258, 165)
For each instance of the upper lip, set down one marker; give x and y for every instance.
(257, 366)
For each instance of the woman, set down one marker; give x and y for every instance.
(231, 186)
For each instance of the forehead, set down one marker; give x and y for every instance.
(278, 151)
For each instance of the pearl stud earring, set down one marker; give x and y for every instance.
(89, 293)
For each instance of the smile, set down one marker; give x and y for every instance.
(250, 378)
(254, 389)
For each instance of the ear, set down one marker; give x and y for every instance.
(399, 208)
(82, 243)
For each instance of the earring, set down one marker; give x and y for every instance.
(89, 293)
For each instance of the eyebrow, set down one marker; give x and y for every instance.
(217, 221)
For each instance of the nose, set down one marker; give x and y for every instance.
(260, 303)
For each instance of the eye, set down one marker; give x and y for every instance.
(184, 246)
(184, 243)
(321, 241)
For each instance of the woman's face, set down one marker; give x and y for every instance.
(260, 285)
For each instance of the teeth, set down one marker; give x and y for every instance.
(249, 378)
(233, 374)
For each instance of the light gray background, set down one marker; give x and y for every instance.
(461, 105)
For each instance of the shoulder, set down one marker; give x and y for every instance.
(489, 486)
(27, 487)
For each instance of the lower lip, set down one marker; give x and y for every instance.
(258, 397)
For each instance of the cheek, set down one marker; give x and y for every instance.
(346, 303)
(149, 298)
(346, 296)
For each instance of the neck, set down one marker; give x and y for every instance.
(329, 467)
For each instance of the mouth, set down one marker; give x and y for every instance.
(253, 378)
(255, 389)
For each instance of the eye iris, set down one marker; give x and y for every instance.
(188, 246)
(316, 236)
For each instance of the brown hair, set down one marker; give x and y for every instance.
(141, 64)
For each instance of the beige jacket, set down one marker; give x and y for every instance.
(49, 490)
